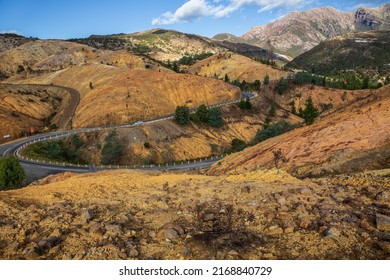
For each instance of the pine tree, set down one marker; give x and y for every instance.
(175, 67)
(266, 79)
(272, 111)
(310, 112)
(282, 85)
(227, 80)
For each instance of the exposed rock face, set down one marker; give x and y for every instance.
(298, 32)
(377, 18)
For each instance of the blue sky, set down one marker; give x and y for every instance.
(60, 19)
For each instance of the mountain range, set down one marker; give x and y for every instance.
(300, 31)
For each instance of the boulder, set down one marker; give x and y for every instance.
(383, 223)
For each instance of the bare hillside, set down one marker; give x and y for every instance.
(127, 95)
(138, 215)
(27, 106)
(352, 139)
(236, 66)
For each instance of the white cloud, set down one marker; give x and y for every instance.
(11, 31)
(191, 10)
(194, 9)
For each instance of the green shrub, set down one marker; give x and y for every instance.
(112, 149)
(272, 130)
(215, 118)
(256, 84)
(190, 60)
(245, 104)
(11, 173)
(194, 118)
(76, 141)
(238, 145)
(272, 111)
(20, 69)
(203, 113)
(214, 148)
(53, 126)
(55, 150)
(266, 79)
(182, 115)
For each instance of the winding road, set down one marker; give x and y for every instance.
(36, 170)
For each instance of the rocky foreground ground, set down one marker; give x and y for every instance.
(255, 215)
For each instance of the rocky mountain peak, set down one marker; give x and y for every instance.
(374, 18)
(300, 31)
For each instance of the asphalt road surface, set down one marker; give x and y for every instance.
(36, 170)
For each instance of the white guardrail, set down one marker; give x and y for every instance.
(87, 130)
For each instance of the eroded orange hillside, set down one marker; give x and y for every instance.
(38, 57)
(328, 99)
(125, 95)
(25, 106)
(43, 55)
(354, 138)
(236, 66)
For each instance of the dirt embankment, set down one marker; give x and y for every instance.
(34, 106)
(138, 215)
(333, 144)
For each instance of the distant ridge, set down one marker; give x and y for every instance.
(299, 32)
